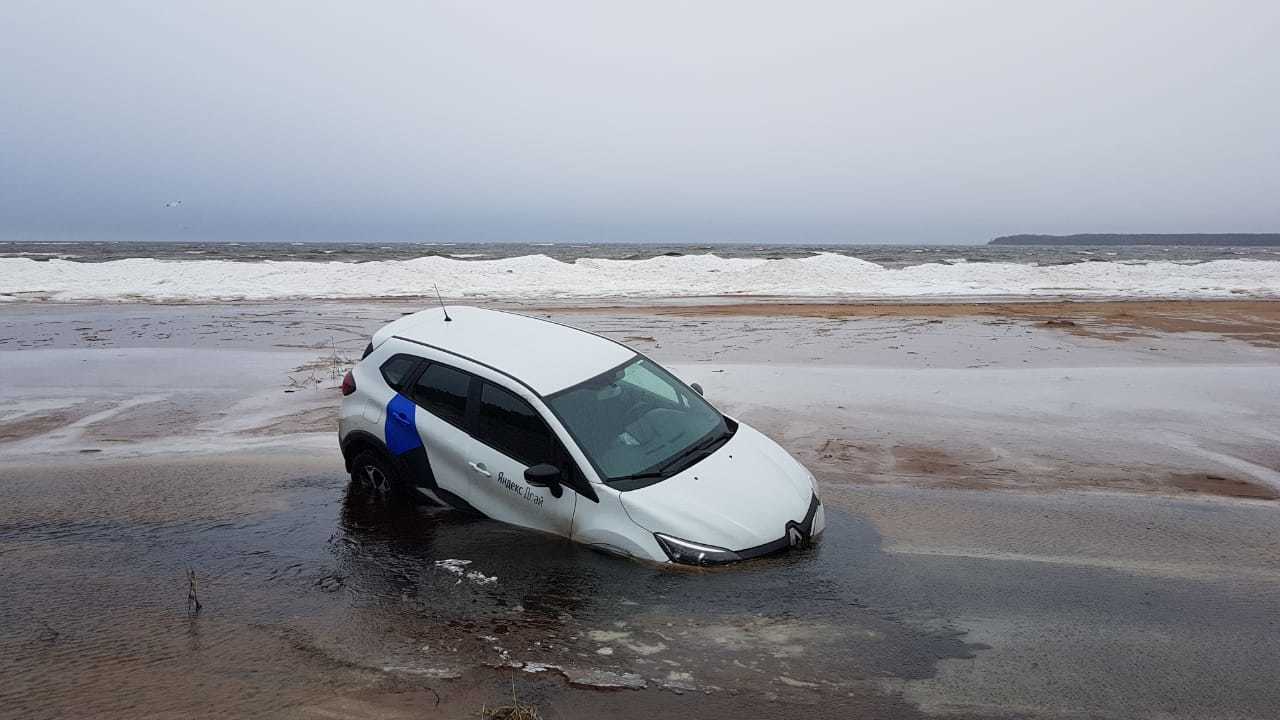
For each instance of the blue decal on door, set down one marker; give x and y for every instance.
(400, 429)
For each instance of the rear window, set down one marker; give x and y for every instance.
(507, 423)
(442, 391)
(396, 370)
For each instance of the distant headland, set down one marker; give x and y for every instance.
(1200, 239)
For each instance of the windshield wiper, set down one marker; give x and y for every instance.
(695, 452)
(639, 476)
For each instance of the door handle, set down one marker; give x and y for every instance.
(401, 417)
(480, 468)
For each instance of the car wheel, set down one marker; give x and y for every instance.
(373, 474)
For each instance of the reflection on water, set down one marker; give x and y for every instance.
(310, 591)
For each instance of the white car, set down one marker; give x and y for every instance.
(548, 427)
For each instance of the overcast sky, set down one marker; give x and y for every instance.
(693, 121)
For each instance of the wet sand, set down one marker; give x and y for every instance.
(1018, 509)
(1253, 321)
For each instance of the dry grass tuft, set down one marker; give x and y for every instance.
(193, 600)
(511, 712)
(515, 711)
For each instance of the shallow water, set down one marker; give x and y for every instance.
(316, 602)
(307, 590)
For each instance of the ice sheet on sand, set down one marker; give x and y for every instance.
(541, 277)
(459, 568)
(588, 677)
(437, 673)
(603, 678)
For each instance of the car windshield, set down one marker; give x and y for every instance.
(637, 421)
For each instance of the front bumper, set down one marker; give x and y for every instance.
(796, 533)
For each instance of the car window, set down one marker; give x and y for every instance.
(638, 419)
(442, 391)
(642, 376)
(509, 424)
(396, 370)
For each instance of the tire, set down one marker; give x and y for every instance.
(374, 475)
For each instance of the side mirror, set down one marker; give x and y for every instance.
(697, 388)
(547, 476)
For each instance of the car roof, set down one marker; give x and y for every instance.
(544, 355)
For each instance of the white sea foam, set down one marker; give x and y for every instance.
(544, 278)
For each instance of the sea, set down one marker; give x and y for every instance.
(889, 256)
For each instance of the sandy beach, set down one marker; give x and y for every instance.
(1025, 497)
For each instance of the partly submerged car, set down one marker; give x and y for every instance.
(548, 427)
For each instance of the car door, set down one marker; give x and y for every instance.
(441, 394)
(509, 437)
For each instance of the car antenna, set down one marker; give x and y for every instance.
(442, 307)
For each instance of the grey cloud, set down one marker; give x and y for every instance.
(875, 122)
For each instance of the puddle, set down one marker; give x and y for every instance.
(307, 592)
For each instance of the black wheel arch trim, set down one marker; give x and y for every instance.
(358, 440)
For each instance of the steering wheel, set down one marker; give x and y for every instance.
(637, 409)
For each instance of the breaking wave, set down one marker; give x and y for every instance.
(538, 277)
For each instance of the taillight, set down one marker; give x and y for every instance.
(348, 384)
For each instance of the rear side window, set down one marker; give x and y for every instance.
(507, 423)
(442, 391)
(396, 370)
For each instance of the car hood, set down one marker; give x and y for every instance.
(741, 496)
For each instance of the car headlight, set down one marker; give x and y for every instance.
(692, 553)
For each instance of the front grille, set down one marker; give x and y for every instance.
(804, 529)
